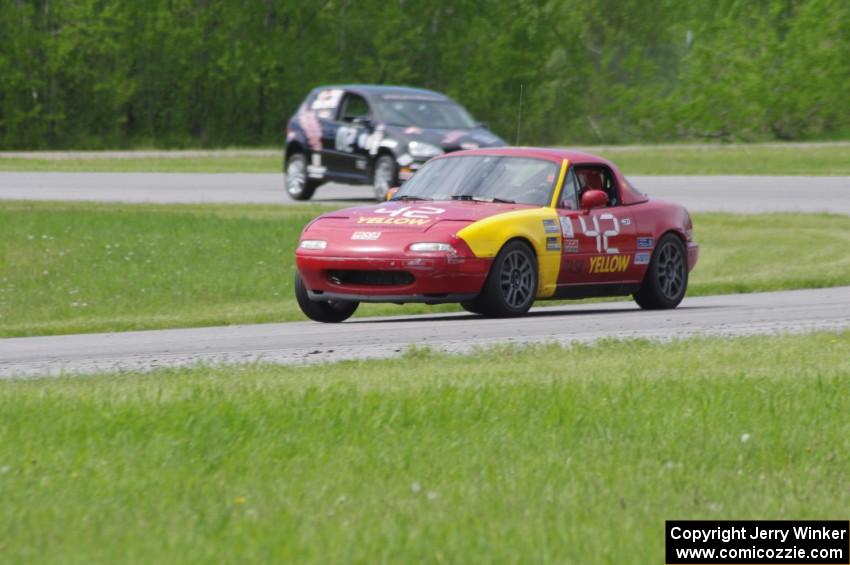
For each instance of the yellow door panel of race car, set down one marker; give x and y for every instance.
(539, 226)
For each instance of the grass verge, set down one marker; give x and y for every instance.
(770, 159)
(80, 267)
(732, 160)
(537, 454)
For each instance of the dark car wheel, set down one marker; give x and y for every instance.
(384, 176)
(666, 279)
(298, 185)
(512, 283)
(471, 306)
(329, 312)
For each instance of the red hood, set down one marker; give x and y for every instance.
(416, 216)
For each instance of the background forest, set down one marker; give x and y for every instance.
(177, 73)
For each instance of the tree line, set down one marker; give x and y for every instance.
(173, 73)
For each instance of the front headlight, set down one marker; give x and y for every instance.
(432, 246)
(423, 150)
(313, 244)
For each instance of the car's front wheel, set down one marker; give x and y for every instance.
(299, 186)
(329, 312)
(384, 176)
(666, 279)
(511, 286)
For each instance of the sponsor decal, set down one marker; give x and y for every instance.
(553, 244)
(327, 99)
(360, 164)
(642, 258)
(366, 235)
(453, 136)
(645, 242)
(412, 130)
(406, 215)
(550, 226)
(311, 127)
(572, 266)
(609, 263)
(570, 246)
(566, 227)
(626, 221)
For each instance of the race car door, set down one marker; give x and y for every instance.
(598, 245)
(345, 145)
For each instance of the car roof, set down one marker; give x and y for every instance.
(389, 91)
(549, 153)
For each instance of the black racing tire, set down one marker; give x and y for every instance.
(329, 311)
(298, 185)
(471, 306)
(666, 279)
(384, 176)
(511, 285)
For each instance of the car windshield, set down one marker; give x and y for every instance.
(424, 114)
(485, 178)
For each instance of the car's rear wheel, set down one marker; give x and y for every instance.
(298, 185)
(666, 279)
(384, 176)
(329, 312)
(511, 286)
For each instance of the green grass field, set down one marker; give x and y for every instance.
(239, 164)
(540, 454)
(72, 267)
(795, 159)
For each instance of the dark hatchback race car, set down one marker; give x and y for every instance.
(378, 135)
(495, 230)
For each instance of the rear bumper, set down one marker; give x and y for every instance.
(436, 278)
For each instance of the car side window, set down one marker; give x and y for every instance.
(354, 106)
(569, 194)
(594, 177)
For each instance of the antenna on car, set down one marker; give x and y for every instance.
(519, 114)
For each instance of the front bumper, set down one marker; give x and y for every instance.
(436, 278)
(693, 255)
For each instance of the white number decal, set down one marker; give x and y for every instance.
(345, 138)
(420, 213)
(591, 233)
(608, 233)
(601, 238)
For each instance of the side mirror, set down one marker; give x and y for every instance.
(483, 125)
(362, 121)
(391, 192)
(593, 199)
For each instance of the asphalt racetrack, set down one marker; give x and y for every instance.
(791, 311)
(300, 342)
(743, 194)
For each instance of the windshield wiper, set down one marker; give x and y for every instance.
(476, 198)
(410, 197)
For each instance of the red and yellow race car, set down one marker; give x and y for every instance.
(495, 230)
